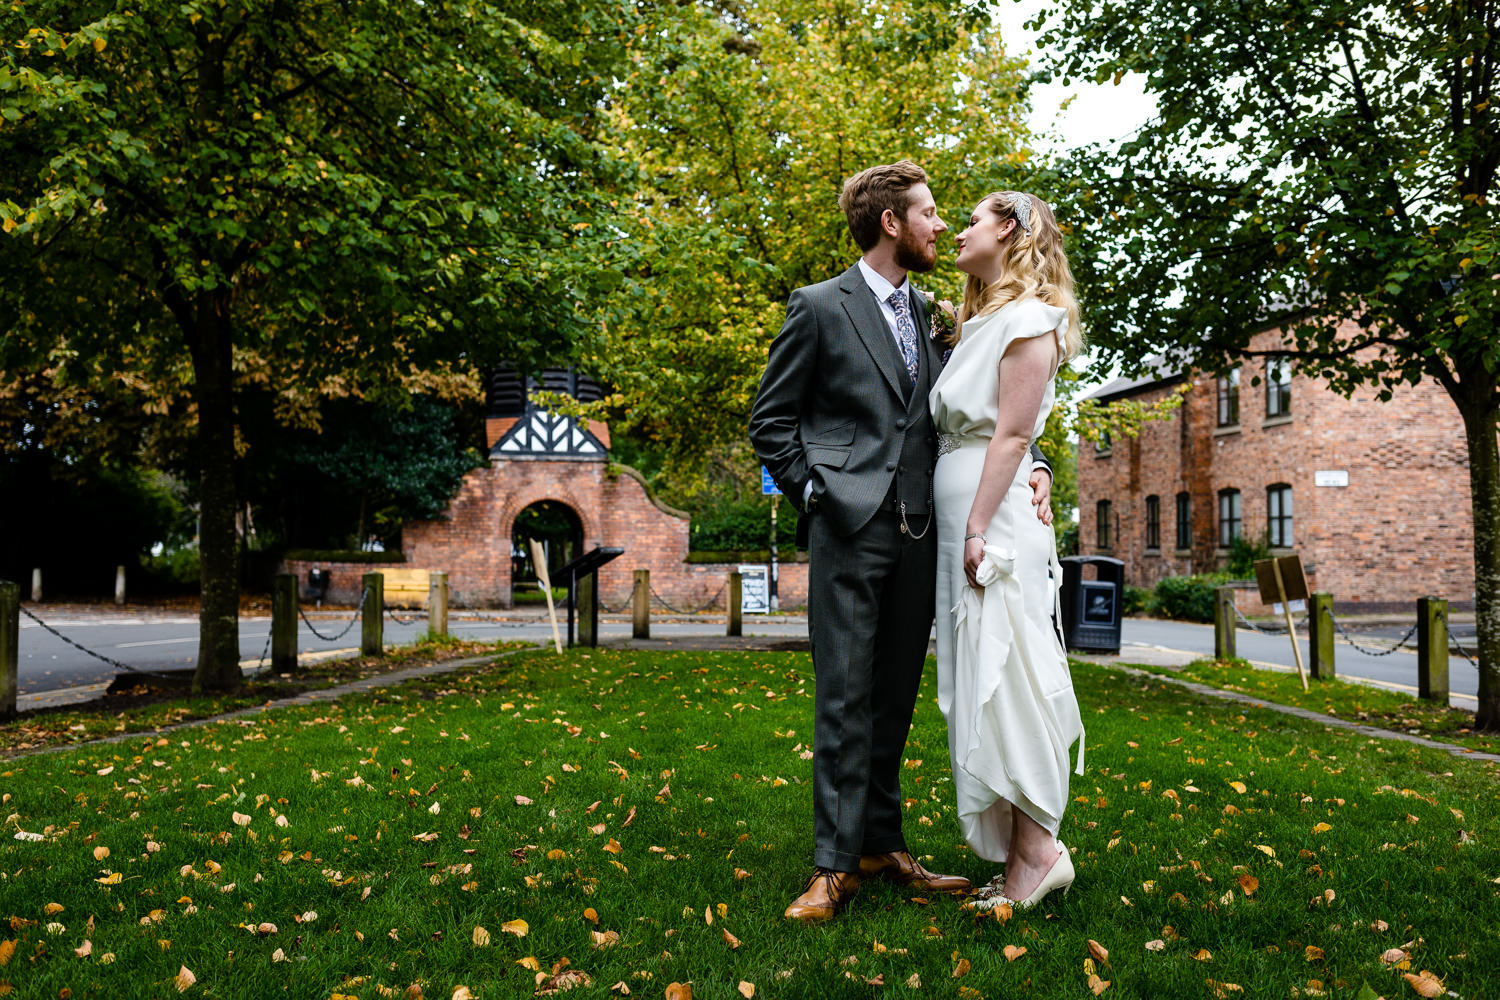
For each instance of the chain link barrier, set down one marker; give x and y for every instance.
(98, 656)
(711, 601)
(419, 617)
(1454, 643)
(627, 606)
(358, 613)
(1367, 650)
(1265, 631)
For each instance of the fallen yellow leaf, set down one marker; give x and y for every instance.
(591, 915)
(1098, 950)
(519, 928)
(100, 853)
(52, 908)
(730, 939)
(1098, 985)
(1321, 828)
(1312, 953)
(184, 980)
(7, 951)
(1249, 883)
(1013, 952)
(680, 991)
(1238, 786)
(747, 989)
(1424, 983)
(481, 937)
(961, 969)
(605, 939)
(1202, 955)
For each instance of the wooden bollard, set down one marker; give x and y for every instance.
(736, 599)
(372, 616)
(10, 646)
(588, 609)
(1223, 623)
(119, 584)
(640, 605)
(437, 605)
(284, 624)
(36, 586)
(1432, 649)
(1320, 636)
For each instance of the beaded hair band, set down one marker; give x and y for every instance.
(1022, 206)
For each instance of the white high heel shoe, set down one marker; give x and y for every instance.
(1059, 876)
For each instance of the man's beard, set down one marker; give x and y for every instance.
(912, 255)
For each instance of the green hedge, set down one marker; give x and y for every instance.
(343, 556)
(785, 553)
(1190, 598)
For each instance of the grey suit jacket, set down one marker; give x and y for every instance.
(831, 409)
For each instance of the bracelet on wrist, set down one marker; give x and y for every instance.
(978, 535)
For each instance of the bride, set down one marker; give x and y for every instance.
(1003, 683)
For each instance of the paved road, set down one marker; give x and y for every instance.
(169, 641)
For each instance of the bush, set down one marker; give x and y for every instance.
(741, 525)
(1244, 554)
(1189, 598)
(1140, 601)
(343, 556)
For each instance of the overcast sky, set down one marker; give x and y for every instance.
(1097, 113)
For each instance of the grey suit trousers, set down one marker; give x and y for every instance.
(870, 601)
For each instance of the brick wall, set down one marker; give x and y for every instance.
(1401, 529)
(472, 542)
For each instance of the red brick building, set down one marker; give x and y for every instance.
(1373, 495)
(554, 466)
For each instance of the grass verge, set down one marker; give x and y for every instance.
(153, 704)
(643, 818)
(1351, 701)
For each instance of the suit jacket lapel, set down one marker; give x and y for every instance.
(864, 314)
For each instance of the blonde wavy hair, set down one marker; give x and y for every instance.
(1035, 265)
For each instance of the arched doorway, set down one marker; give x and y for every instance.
(556, 526)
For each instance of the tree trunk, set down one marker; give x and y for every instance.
(218, 548)
(1481, 418)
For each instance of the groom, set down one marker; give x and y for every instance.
(841, 422)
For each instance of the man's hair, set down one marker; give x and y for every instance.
(868, 194)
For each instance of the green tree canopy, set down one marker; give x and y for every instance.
(1325, 166)
(322, 198)
(745, 117)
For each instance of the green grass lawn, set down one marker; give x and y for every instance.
(643, 819)
(152, 705)
(1348, 700)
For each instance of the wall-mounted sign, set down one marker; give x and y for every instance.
(755, 596)
(1331, 477)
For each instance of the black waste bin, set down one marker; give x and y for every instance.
(317, 585)
(1092, 609)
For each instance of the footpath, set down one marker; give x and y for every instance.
(1138, 655)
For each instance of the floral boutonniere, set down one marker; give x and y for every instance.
(940, 312)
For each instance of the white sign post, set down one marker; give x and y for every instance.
(755, 590)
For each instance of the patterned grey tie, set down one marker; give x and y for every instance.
(906, 331)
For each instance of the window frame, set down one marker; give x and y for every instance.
(1280, 524)
(1228, 411)
(1153, 523)
(1184, 520)
(1103, 529)
(1231, 527)
(1278, 389)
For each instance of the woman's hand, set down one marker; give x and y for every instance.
(973, 556)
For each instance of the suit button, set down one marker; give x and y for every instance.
(901, 423)
(890, 467)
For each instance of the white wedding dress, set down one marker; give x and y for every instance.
(1003, 681)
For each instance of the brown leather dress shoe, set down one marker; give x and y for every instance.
(901, 868)
(826, 893)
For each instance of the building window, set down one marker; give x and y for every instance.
(1102, 515)
(1104, 444)
(1153, 522)
(1229, 517)
(1229, 399)
(1279, 516)
(1278, 388)
(1184, 528)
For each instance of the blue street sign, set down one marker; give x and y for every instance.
(767, 484)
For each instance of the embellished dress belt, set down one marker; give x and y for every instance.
(953, 442)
